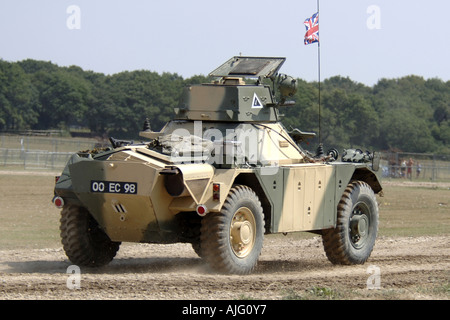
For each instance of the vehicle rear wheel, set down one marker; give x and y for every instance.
(232, 240)
(353, 239)
(84, 242)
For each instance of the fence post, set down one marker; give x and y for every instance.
(6, 157)
(53, 154)
(433, 176)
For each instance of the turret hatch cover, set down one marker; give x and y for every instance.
(249, 67)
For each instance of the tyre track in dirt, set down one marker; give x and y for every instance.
(410, 268)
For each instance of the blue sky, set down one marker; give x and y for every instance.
(364, 40)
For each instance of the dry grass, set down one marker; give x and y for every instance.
(415, 211)
(29, 219)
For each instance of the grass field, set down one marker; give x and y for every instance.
(29, 219)
(415, 211)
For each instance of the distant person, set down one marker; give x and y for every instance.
(418, 169)
(403, 169)
(409, 170)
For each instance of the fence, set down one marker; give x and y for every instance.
(416, 166)
(53, 144)
(37, 152)
(33, 159)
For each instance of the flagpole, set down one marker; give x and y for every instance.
(318, 65)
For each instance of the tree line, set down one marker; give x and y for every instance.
(408, 114)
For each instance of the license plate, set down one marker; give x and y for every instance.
(113, 187)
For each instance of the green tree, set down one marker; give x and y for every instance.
(407, 132)
(409, 113)
(63, 97)
(18, 98)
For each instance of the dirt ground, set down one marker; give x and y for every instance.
(289, 268)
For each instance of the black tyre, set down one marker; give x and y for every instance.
(232, 240)
(353, 239)
(84, 242)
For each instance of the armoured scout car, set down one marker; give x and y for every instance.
(220, 175)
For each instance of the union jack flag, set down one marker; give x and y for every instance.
(312, 29)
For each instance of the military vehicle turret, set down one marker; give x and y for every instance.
(220, 175)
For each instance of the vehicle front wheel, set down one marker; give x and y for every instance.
(232, 239)
(353, 239)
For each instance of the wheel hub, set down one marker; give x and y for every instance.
(245, 233)
(359, 227)
(242, 232)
